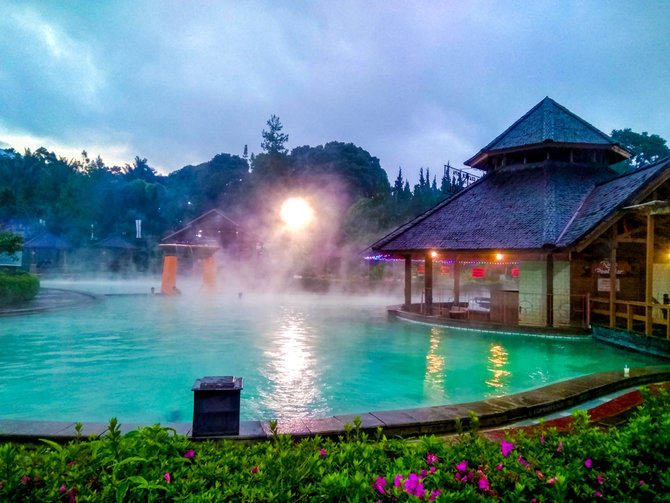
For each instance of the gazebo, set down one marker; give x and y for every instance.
(537, 235)
(199, 239)
(47, 251)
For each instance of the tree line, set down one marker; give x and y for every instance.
(85, 200)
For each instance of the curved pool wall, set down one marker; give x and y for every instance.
(136, 358)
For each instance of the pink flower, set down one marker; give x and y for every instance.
(524, 463)
(542, 439)
(25, 480)
(560, 446)
(462, 466)
(255, 469)
(379, 485)
(600, 479)
(73, 497)
(432, 469)
(551, 480)
(587, 463)
(397, 481)
(539, 474)
(534, 500)
(484, 484)
(641, 482)
(322, 452)
(62, 489)
(414, 486)
(431, 458)
(189, 454)
(499, 467)
(598, 494)
(167, 477)
(72, 463)
(423, 473)
(434, 494)
(507, 447)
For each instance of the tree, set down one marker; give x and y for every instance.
(274, 140)
(647, 148)
(10, 243)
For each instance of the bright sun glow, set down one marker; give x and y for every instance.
(296, 212)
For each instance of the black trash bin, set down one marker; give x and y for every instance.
(216, 406)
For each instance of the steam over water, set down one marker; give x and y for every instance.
(136, 357)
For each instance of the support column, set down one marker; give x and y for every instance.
(550, 290)
(169, 279)
(408, 282)
(428, 283)
(457, 280)
(649, 284)
(613, 268)
(209, 274)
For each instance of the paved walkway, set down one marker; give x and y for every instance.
(51, 299)
(492, 413)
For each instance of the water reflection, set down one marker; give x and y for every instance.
(497, 362)
(434, 379)
(291, 368)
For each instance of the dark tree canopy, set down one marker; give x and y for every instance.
(647, 149)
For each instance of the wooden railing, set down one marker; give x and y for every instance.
(634, 316)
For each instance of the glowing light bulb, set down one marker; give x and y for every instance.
(296, 212)
(433, 254)
(499, 256)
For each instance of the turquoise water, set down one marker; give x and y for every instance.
(136, 358)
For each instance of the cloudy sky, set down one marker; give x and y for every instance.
(416, 84)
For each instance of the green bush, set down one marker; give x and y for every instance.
(17, 287)
(631, 463)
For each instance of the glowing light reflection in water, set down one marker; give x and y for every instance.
(292, 371)
(434, 379)
(498, 359)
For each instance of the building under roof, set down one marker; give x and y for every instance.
(536, 235)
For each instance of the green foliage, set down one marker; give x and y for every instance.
(10, 243)
(154, 464)
(273, 139)
(646, 148)
(17, 287)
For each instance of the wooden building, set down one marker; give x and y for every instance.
(46, 251)
(198, 241)
(541, 229)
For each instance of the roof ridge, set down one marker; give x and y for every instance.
(422, 216)
(631, 173)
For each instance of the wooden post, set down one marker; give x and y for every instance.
(550, 290)
(457, 280)
(613, 268)
(629, 317)
(408, 283)
(649, 290)
(428, 283)
(588, 309)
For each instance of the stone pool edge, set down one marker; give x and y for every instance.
(493, 412)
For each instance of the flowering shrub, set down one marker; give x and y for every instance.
(153, 464)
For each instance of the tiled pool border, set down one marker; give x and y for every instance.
(493, 412)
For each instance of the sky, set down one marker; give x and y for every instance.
(416, 84)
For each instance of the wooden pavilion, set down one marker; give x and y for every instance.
(540, 231)
(197, 242)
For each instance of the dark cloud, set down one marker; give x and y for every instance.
(415, 84)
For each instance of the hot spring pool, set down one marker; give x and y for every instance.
(136, 358)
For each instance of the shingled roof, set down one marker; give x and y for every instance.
(609, 197)
(547, 122)
(115, 241)
(47, 240)
(523, 208)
